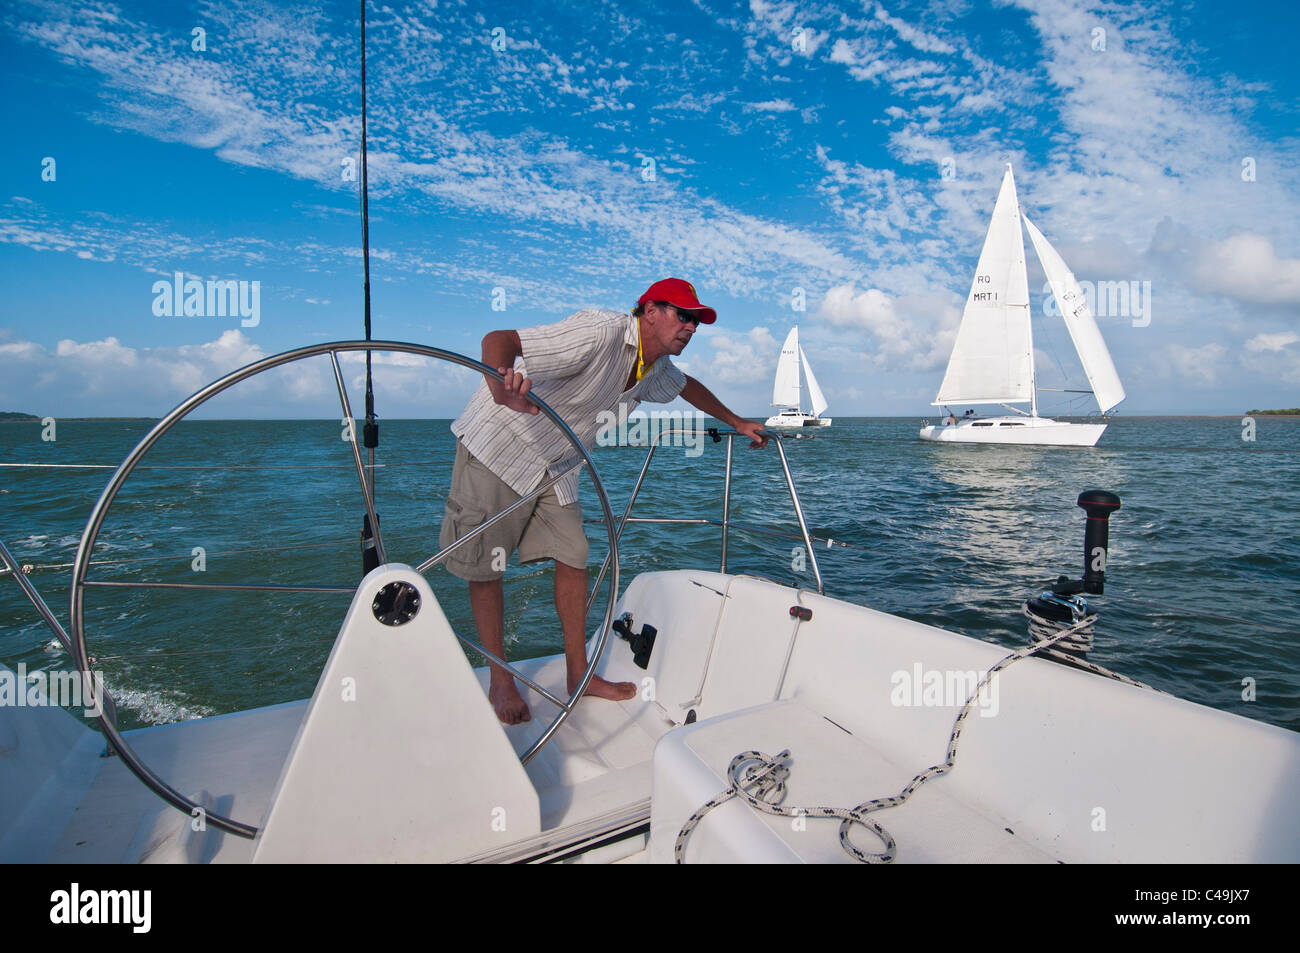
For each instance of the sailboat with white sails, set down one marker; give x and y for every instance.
(787, 393)
(992, 360)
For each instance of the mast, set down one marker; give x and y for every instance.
(1033, 377)
(798, 380)
(1029, 324)
(798, 377)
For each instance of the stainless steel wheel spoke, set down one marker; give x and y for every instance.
(513, 671)
(356, 456)
(442, 554)
(230, 587)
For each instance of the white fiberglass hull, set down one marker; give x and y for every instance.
(1026, 431)
(847, 689)
(790, 421)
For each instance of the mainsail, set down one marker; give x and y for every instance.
(1078, 318)
(992, 361)
(785, 392)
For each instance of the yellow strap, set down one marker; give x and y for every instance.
(640, 355)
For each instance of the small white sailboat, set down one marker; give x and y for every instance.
(787, 393)
(992, 360)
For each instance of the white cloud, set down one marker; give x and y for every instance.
(772, 106)
(923, 41)
(872, 310)
(779, 21)
(748, 358)
(915, 332)
(1268, 359)
(1272, 342)
(156, 249)
(286, 103)
(1245, 267)
(108, 378)
(1195, 365)
(861, 58)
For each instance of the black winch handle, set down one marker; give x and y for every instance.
(1098, 504)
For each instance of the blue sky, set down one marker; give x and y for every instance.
(573, 154)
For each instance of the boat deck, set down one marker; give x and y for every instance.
(229, 763)
(1055, 765)
(593, 776)
(829, 767)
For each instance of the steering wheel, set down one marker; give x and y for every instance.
(80, 583)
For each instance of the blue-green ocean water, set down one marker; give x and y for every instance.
(1202, 581)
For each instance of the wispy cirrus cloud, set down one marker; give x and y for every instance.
(286, 103)
(848, 149)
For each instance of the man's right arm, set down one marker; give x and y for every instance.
(500, 348)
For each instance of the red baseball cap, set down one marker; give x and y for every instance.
(680, 294)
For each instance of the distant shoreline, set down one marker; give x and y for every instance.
(9, 418)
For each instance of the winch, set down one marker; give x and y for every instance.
(1064, 605)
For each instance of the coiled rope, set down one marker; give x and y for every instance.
(1041, 630)
(768, 776)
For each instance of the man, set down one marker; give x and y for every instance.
(587, 364)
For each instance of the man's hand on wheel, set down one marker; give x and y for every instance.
(514, 392)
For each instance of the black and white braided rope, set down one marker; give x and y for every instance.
(768, 775)
(1041, 631)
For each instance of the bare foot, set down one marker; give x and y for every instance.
(614, 691)
(508, 703)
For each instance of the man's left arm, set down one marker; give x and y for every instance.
(700, 396)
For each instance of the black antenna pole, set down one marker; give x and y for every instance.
(365, 209)
(370, 437)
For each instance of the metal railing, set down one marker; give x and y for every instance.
(12, 568)
(726, 523)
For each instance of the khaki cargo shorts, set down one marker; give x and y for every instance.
(541, 529)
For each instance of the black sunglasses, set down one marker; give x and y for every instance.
(686, 317)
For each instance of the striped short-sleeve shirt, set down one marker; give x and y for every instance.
(580, 366)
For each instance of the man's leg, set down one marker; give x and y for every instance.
(571, 604)
(487, 600)
(475, 491)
